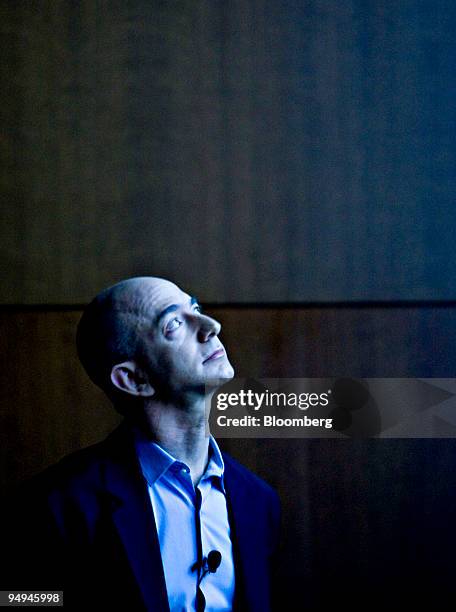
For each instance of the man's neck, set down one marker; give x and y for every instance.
(181, 431)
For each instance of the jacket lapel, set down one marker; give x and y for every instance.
(132, 516)
(248, 540)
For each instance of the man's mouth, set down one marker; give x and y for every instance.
(215, 355)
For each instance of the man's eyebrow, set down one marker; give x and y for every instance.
(172, 308)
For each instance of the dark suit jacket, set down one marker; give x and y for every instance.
(85, 526)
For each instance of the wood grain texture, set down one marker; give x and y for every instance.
(252, 150)
(359, 515)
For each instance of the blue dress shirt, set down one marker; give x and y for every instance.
(174, 503)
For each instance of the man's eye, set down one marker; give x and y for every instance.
(173, 324)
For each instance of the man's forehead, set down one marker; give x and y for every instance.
(153, 295)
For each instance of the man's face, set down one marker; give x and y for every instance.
(180, 344)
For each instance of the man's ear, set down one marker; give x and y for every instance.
(128, 377)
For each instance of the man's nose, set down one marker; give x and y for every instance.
(208, 327)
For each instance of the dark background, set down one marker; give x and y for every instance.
(293, 165)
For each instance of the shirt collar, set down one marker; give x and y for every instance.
(155, 461)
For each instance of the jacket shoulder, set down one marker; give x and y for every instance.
(83, 466)
(80, 466)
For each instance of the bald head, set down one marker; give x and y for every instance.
(109, 329)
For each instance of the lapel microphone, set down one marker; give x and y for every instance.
(209, 564)
(214, 558)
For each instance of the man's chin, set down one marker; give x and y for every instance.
(220, 378)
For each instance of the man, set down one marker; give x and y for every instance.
(155, 517)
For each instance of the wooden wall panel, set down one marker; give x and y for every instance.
(360, 516)
(254, 151)
(48, 405)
